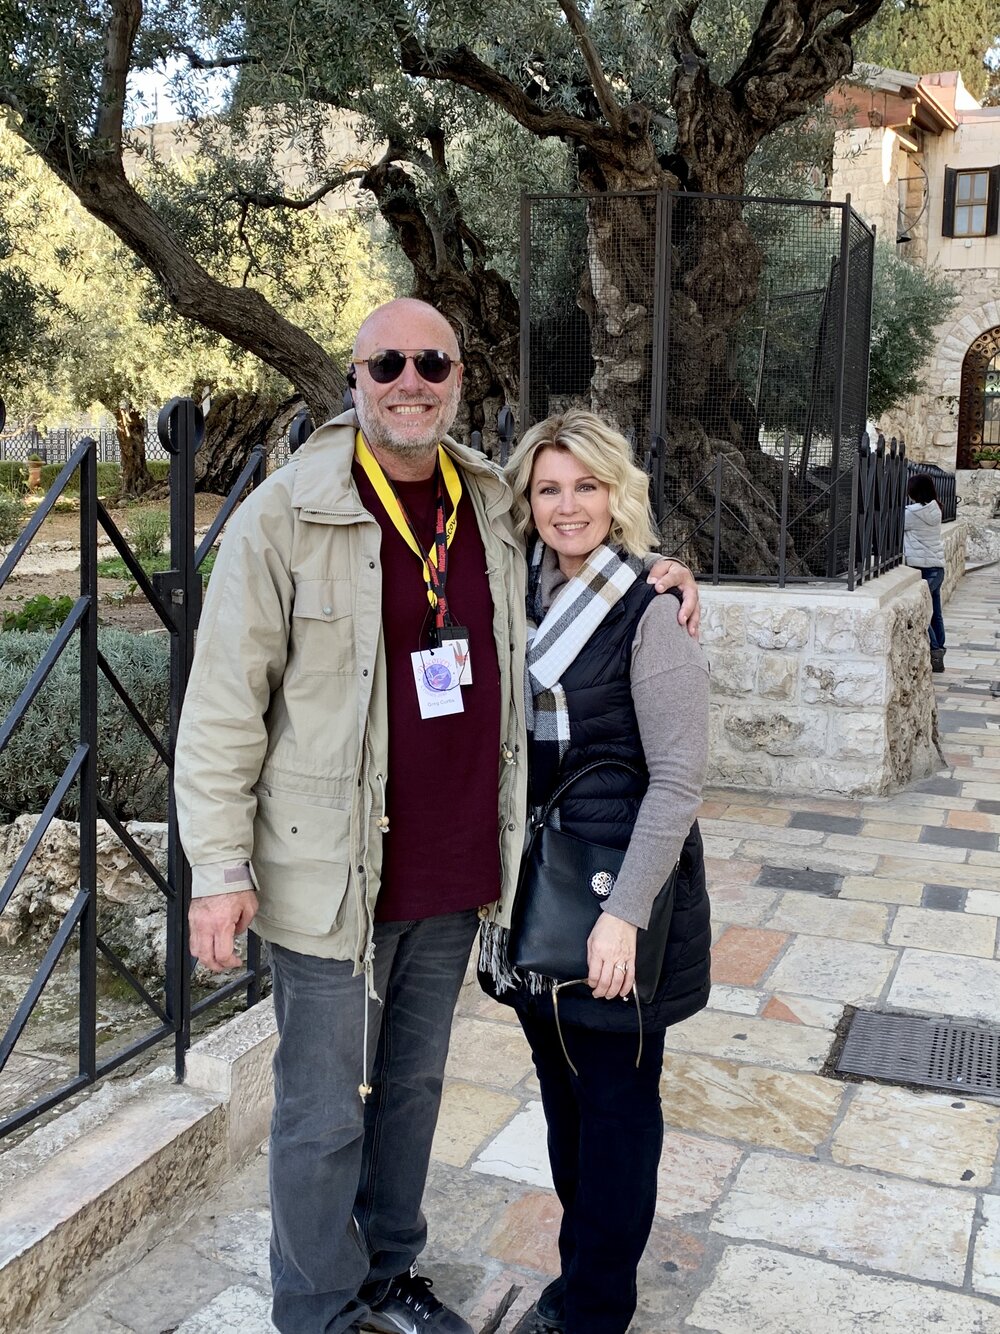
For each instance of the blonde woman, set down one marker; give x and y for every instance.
(610, 675)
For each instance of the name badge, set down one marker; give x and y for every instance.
(438, 677)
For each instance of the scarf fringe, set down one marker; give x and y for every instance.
(495, 962)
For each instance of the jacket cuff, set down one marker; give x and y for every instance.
(220, 878)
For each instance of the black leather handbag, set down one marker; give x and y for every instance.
(562, 884)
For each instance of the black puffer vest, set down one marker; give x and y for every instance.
(602, 808)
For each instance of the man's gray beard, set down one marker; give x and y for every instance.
(377, 433)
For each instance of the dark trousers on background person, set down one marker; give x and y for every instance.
(347, 1177)
(605, 1134)
(934, 578)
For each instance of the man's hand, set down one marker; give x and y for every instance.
(214, 922)
(667, 574)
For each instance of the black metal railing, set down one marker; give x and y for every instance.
(944, 485)
(804, 545)
(175, 597)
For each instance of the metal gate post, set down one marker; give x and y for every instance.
(838, 390)
(181, 428)
(88, 770)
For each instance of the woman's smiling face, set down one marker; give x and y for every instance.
(569, 506)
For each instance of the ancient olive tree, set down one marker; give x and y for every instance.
(613, 96)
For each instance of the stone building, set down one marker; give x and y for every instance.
(920, 159)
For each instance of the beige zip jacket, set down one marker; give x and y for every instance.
(281, 752)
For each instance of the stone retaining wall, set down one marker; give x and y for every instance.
(820, 690)
(978, 494)
(955, 536)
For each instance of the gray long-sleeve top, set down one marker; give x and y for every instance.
(670, 695)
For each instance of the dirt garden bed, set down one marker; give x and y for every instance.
(51, 565)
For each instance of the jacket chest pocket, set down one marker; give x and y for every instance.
(322, 631)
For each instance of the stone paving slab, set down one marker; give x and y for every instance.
(927, 1136)
(789, 1202)
(864, 1218)
(758, 1291)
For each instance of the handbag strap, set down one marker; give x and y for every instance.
(563, 787)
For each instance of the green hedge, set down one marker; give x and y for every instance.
(108, 478)
(14, 476)
(133, 780)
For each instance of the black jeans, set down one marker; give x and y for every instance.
(605, 1134)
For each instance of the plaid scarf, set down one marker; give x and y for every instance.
(576, 611)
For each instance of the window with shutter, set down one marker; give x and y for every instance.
(971, 202)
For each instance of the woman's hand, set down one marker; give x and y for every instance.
(611, 957)
(667, 574)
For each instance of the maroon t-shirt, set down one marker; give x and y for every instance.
(442, 851)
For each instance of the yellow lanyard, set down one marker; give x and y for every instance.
(386, 493)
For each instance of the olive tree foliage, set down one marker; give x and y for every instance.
(909, 303)
(22, 315)
(110, 337)
(612, 95)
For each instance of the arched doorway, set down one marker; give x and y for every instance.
(979, 405)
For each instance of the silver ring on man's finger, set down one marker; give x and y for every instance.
(621, 967)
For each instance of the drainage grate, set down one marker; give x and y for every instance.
(931, 1052)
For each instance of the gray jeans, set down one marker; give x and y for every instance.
(347, 1178)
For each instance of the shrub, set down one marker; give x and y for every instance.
(159, 469)
(146, 531)
(13, 477)
(39, 613)
(11, 517)
(133, 780)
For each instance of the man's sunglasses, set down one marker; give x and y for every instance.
(388, 364)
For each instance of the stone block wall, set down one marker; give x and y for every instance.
(954, 535)
(978, 499)
(816, 689)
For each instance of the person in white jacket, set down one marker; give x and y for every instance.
(923, 548)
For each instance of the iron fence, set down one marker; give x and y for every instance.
(57, 446)
(722, 511)
(944, 485)
(175, 596)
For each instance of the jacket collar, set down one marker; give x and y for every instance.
(323, 481)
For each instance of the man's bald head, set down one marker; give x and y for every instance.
(385, 327)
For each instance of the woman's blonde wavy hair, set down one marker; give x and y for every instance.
(607, 456)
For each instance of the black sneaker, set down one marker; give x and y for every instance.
(550, 1309)
(406, 1305)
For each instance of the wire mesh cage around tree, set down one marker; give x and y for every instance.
(706, 326)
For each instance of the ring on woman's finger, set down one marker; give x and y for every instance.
(621, 967)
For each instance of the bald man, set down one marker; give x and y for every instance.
(351, 743)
